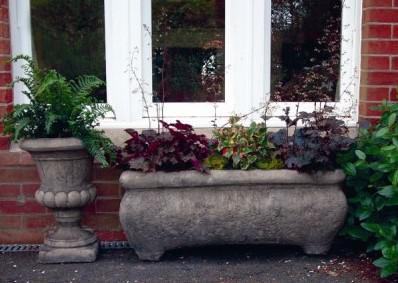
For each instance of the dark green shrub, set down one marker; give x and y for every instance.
(372, 180)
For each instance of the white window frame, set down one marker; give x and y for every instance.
(247, 56)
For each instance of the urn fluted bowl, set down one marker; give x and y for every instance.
(65, 168)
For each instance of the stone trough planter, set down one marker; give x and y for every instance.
(163, 211)
(64, 168)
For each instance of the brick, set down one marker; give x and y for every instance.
(372, 120)
(111, 236)
(15, 207)
(89, 208)
(4, 109)
(9, 158)
(29, 190)
(377, 3)
(10, 190)
(380, 16)
(10, 221)
(26, 159)
(108, 189)
(394, 94)
(106, 174)
(4, 14)
(5, 64)
(380, 47)
(5, 47)
(374, 93)
(395, 31)
(380, 78)
(107, 205)
(376, 31)
(104, 222)
(367, 109)
(38, 221)
(21, 236)
(376, 62)
(4, 143)
(5, 95)
(5, 79)
(394, 63)
(4, 30)
(23, 175)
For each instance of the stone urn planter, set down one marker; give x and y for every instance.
(162, 211)
(65, 170)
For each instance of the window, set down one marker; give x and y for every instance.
(208, 57)
(188, 55)
(69, 36)
(305, 50)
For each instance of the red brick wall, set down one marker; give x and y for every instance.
(379, 70)
(5, 69)
(23, 221)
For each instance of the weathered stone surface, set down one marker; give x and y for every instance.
(162, 211)
(87, 253)
(65, 171)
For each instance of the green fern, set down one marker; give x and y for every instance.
(60, 108)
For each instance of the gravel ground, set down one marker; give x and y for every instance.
(210, 264)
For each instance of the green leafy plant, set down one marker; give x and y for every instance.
(244, 148)
(372, 180)
(60, 108)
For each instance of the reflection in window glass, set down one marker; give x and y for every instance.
(69, 36)
(188, 50)
(306, 42)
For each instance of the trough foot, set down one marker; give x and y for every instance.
(149, 255)
(316, 249)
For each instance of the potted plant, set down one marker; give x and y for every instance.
(292, 195)
(57, 129)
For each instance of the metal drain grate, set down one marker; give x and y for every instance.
(115, 245)
(104, 245)
(18, 248)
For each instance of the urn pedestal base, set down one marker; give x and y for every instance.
(49, 254)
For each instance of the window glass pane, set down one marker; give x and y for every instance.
(306, 43)
(69, 36)
(188, 50)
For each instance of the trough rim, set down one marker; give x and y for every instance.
(132, 180)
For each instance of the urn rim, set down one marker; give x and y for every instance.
(52, 144)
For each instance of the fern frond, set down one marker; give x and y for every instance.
(51, 118)
(20, 127)
(60, 108)
(85, 85)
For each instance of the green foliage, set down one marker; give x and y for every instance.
(59, 108)
(244, 148)
(372, 177)
(216, 161)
